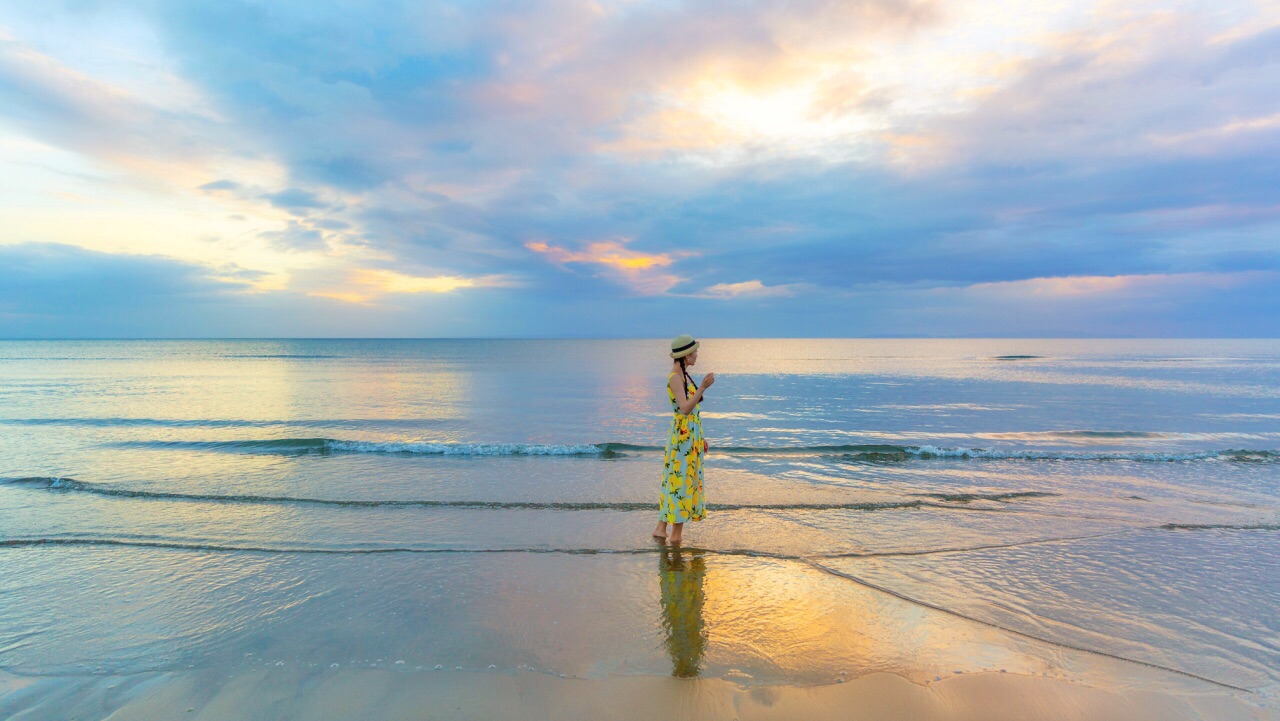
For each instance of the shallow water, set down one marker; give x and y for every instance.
(467, 503)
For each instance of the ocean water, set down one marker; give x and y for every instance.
(433, 505)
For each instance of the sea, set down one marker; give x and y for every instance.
(430, 506)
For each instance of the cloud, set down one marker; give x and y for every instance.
(1154, 305)
(639, 271)
(69, 108)
(749, 289)
(1068, 287)
(828, 152)
(1152, 85)
(1220, 132)
(296, 237)
(62, 290)
(389, 281)
(609, 253)
(365, 285)
(294, 199)
(220, 185)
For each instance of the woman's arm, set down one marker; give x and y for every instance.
(680, 391)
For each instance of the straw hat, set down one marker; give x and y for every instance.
(683, 345)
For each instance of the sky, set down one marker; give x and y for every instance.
(548, 168)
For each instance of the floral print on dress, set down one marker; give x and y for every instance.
(681, 499)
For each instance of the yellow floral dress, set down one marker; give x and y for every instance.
(682, 465)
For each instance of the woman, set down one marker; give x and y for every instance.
(682, 466)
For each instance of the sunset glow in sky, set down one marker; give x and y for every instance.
(633, 168)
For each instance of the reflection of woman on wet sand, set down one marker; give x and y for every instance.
(682, 464)
(682, 601)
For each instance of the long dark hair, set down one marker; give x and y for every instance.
(687, 378)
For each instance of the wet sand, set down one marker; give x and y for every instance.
(322, 695)
(671, 634)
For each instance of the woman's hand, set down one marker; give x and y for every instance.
(707, 380)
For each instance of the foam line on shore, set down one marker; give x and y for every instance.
(909, 599)
(658, 547)
(71, 485)
(987, 547)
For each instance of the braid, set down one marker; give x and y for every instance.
(688, 381)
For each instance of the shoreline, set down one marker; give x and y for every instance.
(324, 695)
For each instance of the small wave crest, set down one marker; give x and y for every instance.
(472, 449)
(1038, 455)
(73, 540)
(70, 485)
(938, 453)
(331, 445)
(840, 452)
(969, 497)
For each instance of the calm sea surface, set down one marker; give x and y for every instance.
(421, 504)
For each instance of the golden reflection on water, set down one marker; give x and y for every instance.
(681, 574)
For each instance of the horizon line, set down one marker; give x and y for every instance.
(601, 337)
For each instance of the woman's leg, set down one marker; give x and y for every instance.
(661, 530)
(676, 530)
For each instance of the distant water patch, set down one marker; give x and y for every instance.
(290, 356)
(228, 422)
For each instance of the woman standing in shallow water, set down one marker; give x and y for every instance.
(682, 464)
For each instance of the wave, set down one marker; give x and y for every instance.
(71, 485)
(473, 449)
(861, 453)
(968, 497)
(1017, 357)
(936, 453)
(331, 445)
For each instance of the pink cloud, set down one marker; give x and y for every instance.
(639, 271)
(1094, 286)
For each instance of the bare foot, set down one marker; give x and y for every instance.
(660, 531)
(677, 531)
